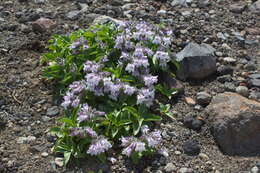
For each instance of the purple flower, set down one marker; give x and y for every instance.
(153, 139)
(98, 146)
(145, 96)
(83, 132)
(76, 87)
(75, 103)
(130, 68)
(124, 57)
(132, 144)
(75, 45)
(87, 113)
(90, 66)
(138, 52)
(163, 57)
(129, 90)
(115, 91)
(150, 80)
(167, 41)
(157, 40)
(119, 41)
(92, 81)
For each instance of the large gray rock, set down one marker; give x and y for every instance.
(235, 124)
(255, 7)
(196, 61)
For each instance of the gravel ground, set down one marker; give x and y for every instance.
(28, 108)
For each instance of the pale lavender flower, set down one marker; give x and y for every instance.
(85, 46)
(68, 98)
(98, 146)
(90, 132)
(115, 91)
(87, 113)
(119, 41)
(163, 57)
(75, 45)
(129, 90)
(130, 68)
(75, 103)
(77, 86)
(92, 81)
(124, 57)
(83, 132)
(150, 80)
(141, 62)
(129, 45)
(131, 145)
(138, 52)
(157, 40)
(145, 96)
(153, 139)
(148, 51)
(167, 41)
(90, 66)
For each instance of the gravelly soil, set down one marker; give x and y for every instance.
(25, 97)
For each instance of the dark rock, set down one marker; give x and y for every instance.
(255, 82)
(235, 124)
(196, 61)
(191, 147)
(192, 123)
(224, 70)
(224, 78)
(172, 82)
(203, 98)
(237, 8)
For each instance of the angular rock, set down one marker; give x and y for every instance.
(235, 122)
(237, 8)
(43, 25)
(255, 82)
(191, 148)
(52, 111)
(242, 90)
(73, 15)
(105, 19)
(192, 123)
(255, 7)
(203, 98)
(196, 61)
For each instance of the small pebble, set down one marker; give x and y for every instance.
(44, 154)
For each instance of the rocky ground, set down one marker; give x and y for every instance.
(231, 27)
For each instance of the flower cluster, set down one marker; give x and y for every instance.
(98, 145)
(109, 97)
(147, 140)
(87, 113)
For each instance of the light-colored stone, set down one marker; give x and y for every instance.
(190, 101)
(43, 25)
(59, 161)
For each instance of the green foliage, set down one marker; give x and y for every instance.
(123, 116)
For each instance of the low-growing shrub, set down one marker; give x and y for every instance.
(111, 75)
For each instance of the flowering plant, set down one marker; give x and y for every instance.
(113, 75)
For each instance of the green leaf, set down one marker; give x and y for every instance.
(67, 121)
(151, 117)
(67, 156)
(137, 126)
